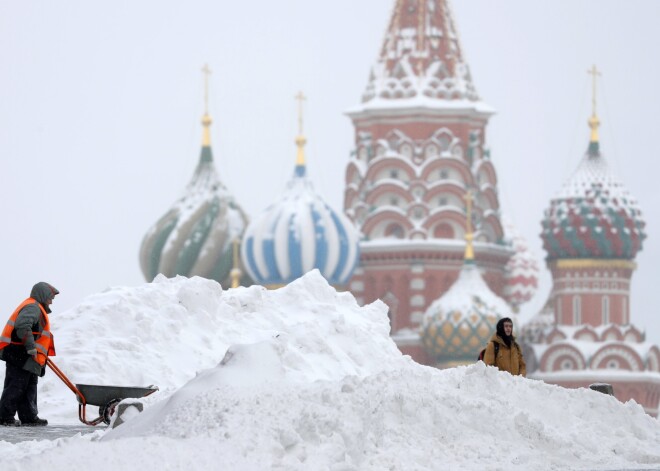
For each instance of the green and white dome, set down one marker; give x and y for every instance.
(195, 237)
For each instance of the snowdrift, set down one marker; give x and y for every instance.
(303, 378)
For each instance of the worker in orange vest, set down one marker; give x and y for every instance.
(25, 344)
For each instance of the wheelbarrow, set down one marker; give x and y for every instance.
(105, 397)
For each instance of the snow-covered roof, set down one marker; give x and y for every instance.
(455, 245)
(421, 56)
(421, 65)
(464, 293)
(195, 235)
(456, 326)
(420, 105)
(593, 215)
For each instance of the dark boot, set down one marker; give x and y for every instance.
(9, 422)
(36, 422)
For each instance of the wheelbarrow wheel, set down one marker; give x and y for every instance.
(108, 410)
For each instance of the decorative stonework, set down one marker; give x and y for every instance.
(421, 56)
(593, 216)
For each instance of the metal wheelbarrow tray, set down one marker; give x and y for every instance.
(106, 397)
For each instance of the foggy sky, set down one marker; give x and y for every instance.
(100, 108)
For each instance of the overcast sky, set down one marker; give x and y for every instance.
(100, 107)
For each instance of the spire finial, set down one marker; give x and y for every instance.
(206, 119)
(469, 236)
(207, 72)
(300, 139)
(594, 122)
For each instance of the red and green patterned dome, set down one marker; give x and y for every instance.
(593, 216)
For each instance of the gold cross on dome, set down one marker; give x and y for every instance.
(300, 97)
(595, 73)
(207, 72)
(469, 249)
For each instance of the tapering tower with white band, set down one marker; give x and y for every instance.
(420, 146)
(592, 232)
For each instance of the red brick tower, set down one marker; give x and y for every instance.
(419, 148)
(592, 232)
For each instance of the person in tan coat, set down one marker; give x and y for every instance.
(509, 354)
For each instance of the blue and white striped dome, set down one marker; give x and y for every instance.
(297, 234)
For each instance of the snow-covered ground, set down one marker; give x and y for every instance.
(303, 378)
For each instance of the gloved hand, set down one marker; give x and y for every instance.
(32, 352)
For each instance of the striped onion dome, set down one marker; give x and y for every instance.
(594, 215)
(195, 237)
(299, 233)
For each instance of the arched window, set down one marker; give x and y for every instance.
(558, 311)
(394, 230)
(605, 307)
(624, 310)
(577, 310)
(443, 231)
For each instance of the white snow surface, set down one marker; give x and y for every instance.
(302, 378)
(461, 297)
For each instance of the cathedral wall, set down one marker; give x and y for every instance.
(409, 282)
(412, 127)
(593, 295)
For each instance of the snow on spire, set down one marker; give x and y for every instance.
(421, 56)
(194, 237)
(300, 232)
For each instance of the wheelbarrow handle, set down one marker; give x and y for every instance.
(76, 391)
(65, 380)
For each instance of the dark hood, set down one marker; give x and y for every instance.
(500, 331)
(42, 292)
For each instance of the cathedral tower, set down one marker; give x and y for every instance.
(592, 232)
(420, 136)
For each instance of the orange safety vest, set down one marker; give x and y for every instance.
(44, 340)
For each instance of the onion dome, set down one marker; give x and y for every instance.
(594, 215)
(522, 270)
(195, 237)
(461, 322)
(299, 233)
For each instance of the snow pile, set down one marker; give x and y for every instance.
(164, 332)
(302, 378)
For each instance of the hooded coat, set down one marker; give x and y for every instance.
(509, 357)
(27, 322)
